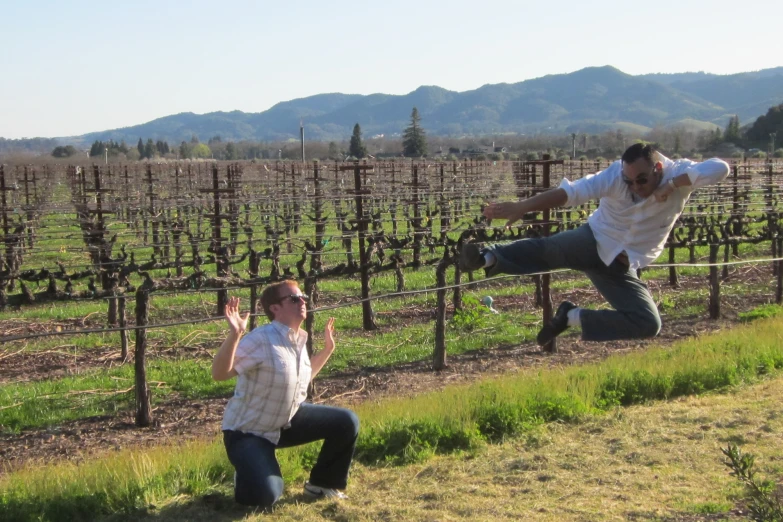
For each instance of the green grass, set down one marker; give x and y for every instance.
(98, 392)
(411, 430)
(52, 402)
(761, 312)
(179, 356)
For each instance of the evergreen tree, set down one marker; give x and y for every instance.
(732, 133)
(149, 149)
(765, 125)
(714, 138)
(140, 146)
(185, 150)
(231, 151)
(414, 140)
(333, 152)
(357, 148)
(96, 149)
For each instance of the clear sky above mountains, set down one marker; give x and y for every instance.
(75, 67)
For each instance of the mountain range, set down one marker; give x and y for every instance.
(592, 100)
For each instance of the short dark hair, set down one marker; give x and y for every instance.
(271, 295)
(640, 150)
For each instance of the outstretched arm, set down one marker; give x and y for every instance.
(515, 210)
(695, 175)
(318, 360)
(223, 363)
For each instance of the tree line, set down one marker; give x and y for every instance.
(763, 137)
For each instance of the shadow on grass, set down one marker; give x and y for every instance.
(212, 507)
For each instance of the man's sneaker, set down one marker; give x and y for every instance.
(557, 325)
(316, 492)
(471, 258)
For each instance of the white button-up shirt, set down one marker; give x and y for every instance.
(274, 371)
(638, 227)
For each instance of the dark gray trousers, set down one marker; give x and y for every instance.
(635, 315)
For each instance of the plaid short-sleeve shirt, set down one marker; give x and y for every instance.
(273, 373)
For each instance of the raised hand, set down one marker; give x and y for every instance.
(329, 334)
(236, 322)
(663, 192)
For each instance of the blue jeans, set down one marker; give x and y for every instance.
(259, 481)
(635, 315)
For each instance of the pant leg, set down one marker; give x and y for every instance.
(259, 481)
(339, 429)
(635, 315)
(575, 249)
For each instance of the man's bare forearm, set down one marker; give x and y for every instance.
(545, 200)
(516, 210)
(223, 363)
(318, 360)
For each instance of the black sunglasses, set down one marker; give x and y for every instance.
(294, 298)
(641, 180)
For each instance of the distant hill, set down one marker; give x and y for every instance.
(589, 100)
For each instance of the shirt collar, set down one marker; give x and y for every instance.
(290, 333)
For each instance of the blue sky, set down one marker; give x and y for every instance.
(74, 67)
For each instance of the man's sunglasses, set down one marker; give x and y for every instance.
(640, 181)
(294, 298)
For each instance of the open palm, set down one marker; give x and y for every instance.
(329, 334)
(236, 322)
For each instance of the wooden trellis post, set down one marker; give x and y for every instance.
(368, 316)
(439, 354)
(235, 184)
(221, 252)
(779, 289)
(735, 210)
(124, 333)
(28, 205)
(714, 282)
(9, 248)
(673, 279)
(320, 222)
(95, 237)
(143, 407)
(546, 297)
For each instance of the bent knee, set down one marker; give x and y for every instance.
(351, 422)
(649, 325)
(263, 494)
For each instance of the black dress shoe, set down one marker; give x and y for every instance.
(471, 258)
(557, 325)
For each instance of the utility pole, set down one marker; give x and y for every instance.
(573, 145)
(772, 136)
(301, 137)
(106, 152)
